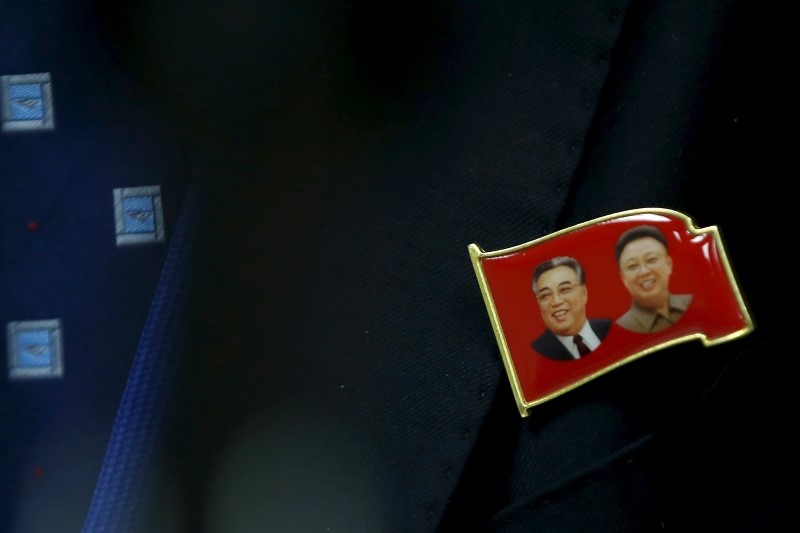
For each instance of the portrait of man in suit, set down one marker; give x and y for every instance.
(559, 285)
(645, 267)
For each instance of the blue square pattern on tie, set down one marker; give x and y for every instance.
(138, 214)
(26, 101)
(33, 349)
(138, 218)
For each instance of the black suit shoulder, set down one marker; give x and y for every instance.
(601, 327)
(549, 346)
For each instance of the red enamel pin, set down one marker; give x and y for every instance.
(573, 305)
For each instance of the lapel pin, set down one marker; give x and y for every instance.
(578, 303)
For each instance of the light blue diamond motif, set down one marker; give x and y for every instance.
(138, 214)
(138, 218)
(26, 101)
(25, 90)
(29, 109)
(33, 348)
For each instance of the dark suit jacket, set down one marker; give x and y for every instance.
(324, 353)
(549, 346)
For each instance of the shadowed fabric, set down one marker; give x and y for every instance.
(343, 373)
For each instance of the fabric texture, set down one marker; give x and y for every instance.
(308, 350)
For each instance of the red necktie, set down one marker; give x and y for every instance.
(583, 349)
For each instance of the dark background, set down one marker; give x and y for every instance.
(335, 365)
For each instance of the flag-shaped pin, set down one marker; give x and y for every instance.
(573, 305)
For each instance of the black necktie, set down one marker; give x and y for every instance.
(583, 349)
